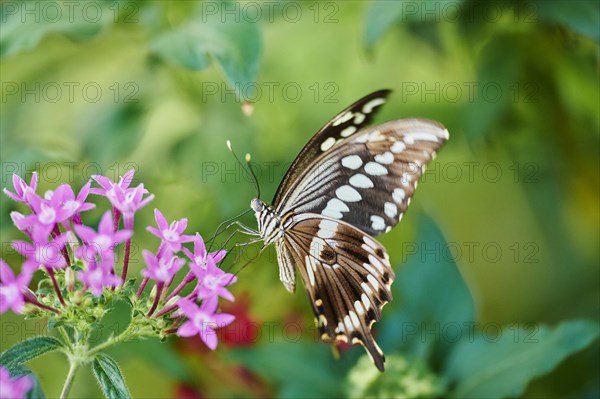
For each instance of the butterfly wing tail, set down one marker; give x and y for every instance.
(373, 350)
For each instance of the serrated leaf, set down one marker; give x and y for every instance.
(109, 377)
(236, 46)
(430, 296)
(27, 350)
(501, 366)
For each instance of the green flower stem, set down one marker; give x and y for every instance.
(65, 337)
(132, 330)
(74, 366)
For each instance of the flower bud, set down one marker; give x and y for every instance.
(172, 301)
(70, 278)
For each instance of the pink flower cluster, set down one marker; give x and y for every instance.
(58, 239)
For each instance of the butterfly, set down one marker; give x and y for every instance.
(349, 183)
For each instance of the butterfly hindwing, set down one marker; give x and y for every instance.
(343, 125)
(347, 275)
(369, 178)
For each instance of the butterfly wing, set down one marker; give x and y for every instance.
(347, 275)
(343, 125)
(368, 178)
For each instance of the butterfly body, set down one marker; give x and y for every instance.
(349, 183)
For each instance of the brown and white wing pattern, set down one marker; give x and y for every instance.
(347, 275)
(368, 178)
(343, 125)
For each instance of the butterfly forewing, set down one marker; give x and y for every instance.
(369, 178)
(347, 275)
(343, 125)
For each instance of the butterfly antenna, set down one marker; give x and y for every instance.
(247, 165)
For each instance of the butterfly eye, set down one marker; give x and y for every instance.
(256, 205)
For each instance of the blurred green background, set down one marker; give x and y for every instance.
(509, 207)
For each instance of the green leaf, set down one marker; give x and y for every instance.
(25, 24)
(313, 365)
(382, 15)
(432, 301)
(583, 17)
(27, 350)
(236, 46)
(501, 365)
(109, 377)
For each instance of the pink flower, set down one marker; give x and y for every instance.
(47, 211)
(171, 235)
(96, 278)
(14, 388)
(101, 243)
(161, 269)
(12, 289)
(77, 204)
(202, 320)
(212, 281)
(42, 252)
(126, 200)
(108, 185)
(21, 188)
(200, 257)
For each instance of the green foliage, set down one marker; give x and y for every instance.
(21, 34)
(429, 294)
(502, 367)
(307, 380)
(109, 377)
(24, 351)
(403, 378)
(236, 46)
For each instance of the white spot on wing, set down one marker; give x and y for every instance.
(352, 162)
(398, 194)
(359, 118)
(348, 324)
(368, 107)
(390, 209)
(354, 319)
(366, 288)
(348, 194)
(377, 263)
(376, 136)
(334, 208)
(361, 181)
(359, 308)
(398, 147)
(366, 301)
(344, 118)
(375, 169)
(327, 229)
(386, 158)
(309, 270)
(421, 136)
(327, 144)
(373, 282)
(377, 222)
(349, 131)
